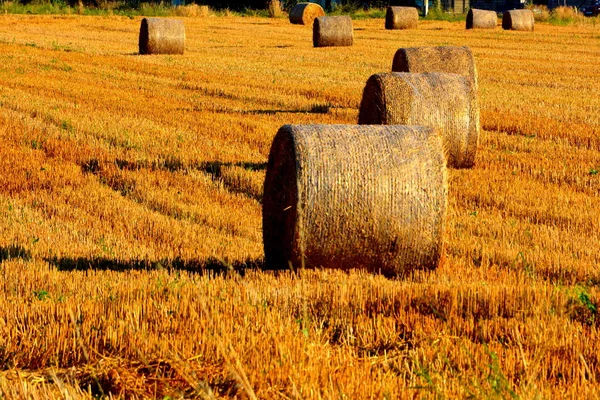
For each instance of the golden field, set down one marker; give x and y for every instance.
(130, 220)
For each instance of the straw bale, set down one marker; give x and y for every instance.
(401, 18)
(518, 20)
(450, 59)
(274, 9)
(333, 31)
(349, 196)
(481, 19)
(162, 36)
(305, 13)
(447, 102)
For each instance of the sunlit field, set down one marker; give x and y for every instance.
(130, 220)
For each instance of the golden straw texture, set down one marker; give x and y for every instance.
(481, 19)
(161, 36)
(447, 102)
(348, 196)
(450, 59)
(333, 31)
(305, 13)
(518, 20)
(401, 18)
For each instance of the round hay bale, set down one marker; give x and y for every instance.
(401, 18)
(481, 19)
(447, 102)
(162, 36)
(518, 20)
(333, 31)
(349, 196)
(450, 59)
(305, 13)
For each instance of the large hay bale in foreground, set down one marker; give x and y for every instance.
(518, 20)
(161, 36)
(481, 19)
(333, 31)
(305, 13)
(447, 102)
(349, 196)
(450, 59)
(401, 18)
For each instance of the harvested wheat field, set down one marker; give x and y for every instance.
(130, 220)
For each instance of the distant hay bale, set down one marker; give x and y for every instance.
(162, 36)
(401, 18)
(518, 20)
(349, 196)
(203, 11)
(450, 59)
(447, 102)
(191, 10)
(481, 19)
(333, 31)
(274, 9)
(305, 13)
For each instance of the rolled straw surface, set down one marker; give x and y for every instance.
(481, 19)
(333, 31)
(161, 36)
(451, 59)
(447, 102)
(349, 196)
(305, 13)
(518, 20)
(401, 18)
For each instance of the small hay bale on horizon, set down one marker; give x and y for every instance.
(443, 101)
(274, 9)
(349, 196)
(449, 59)
(305, 13)
(401, 18)
(333, 31)
(161, 36)
(518, 20)
(481, 19)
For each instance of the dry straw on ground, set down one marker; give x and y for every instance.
(333, 31)
(450, 59)
(346, 196)
(161, 36)
(518, 20)
(447, 102)
(401, 18)
(305, 13)
(481, 19)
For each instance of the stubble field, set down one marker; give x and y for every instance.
(130, 220)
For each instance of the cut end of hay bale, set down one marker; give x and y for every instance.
(161, 36)
(481, 19)
(518, 20)
(401, 18)
(305, 13)
(447, 102)
(333, 31)
(449, 59)
(332, 200)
